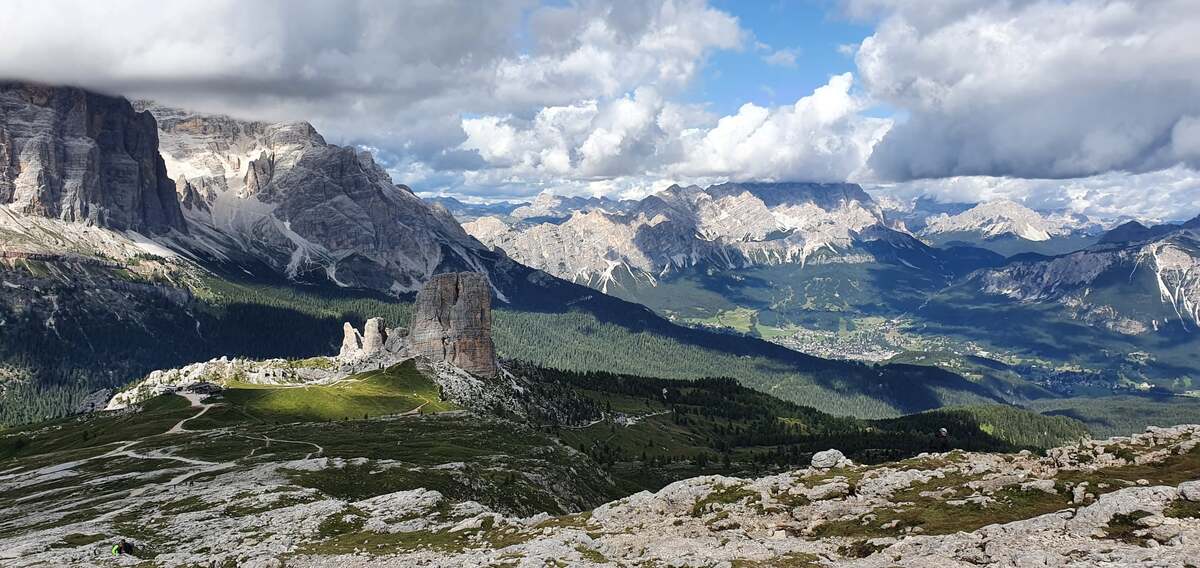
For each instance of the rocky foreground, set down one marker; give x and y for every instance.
(1083, 505)
(1120, 502)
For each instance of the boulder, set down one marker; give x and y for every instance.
(828, 459)
(452, 322)
(1190, 490)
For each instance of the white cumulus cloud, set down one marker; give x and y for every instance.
(640, 137)
(1033, 88)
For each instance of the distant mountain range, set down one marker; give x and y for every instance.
(816, 266)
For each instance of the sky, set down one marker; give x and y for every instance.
(1091, 106)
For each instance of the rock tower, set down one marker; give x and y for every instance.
(452, 322)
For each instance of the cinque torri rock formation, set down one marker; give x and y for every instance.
(450, 334)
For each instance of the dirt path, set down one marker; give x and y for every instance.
(195, 400)
(416, 410)
(268, 440)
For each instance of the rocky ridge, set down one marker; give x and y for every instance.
(551, 206)
(1164, 268)
(1007, 218)
(728, 226)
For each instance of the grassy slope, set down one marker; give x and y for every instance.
(397, 389)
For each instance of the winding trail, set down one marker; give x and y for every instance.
(268, 440)
(416, 410)
(195, 399)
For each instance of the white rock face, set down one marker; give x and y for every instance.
(1008, 218)
(279, 193)
(729, 225)
(73, 155)
(1171, 262)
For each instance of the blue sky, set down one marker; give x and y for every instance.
(733, 78)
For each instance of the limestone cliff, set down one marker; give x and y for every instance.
(74, 155)
(365, 345)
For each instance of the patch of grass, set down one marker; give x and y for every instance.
(937, 517)
(859, 549)
(312, 363)
(188, 505)
(256, 509)
(737, 319)
(1123, 527)
(792, 500)
(397, 389)
(591, 555)
(1173, 470)
(346, 521)
(722, 495)
(577, 521)
(386, 543)
(789, 560)
(1183, 509)
(954, 481)
(75, 540)
(158, 415)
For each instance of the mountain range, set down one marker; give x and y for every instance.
(208, 232)
(828, 270)
(268, 234)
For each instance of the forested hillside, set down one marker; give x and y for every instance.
(655, 431)
(566, 326)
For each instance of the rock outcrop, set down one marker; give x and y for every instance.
(365, 345)
(351, 342)
(374, 336)
(73, 155)
(452, 322)
(828, 459)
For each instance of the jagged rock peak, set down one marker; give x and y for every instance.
(363, 345)
(74, 155)
(452, 322)
(351, 342)
(374, 336)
